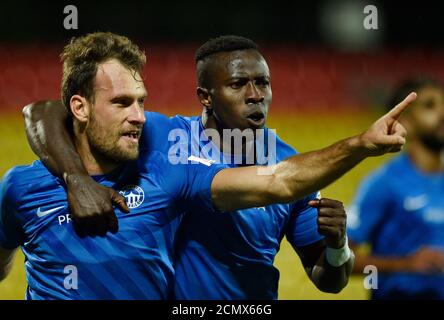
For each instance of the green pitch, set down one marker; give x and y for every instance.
(305, 132)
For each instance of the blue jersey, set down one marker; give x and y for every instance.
(230, 256)
(134, 263)
(398, 210)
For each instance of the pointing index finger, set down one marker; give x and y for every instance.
(400, 107)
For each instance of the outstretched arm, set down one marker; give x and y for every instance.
(303, 174)
(91, 205)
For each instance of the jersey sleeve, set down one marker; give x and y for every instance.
(189, 183)
(368, 208)
(303, 226)
(199, 179)
(10, 232)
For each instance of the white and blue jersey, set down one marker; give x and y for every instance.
(230, 256)
(399, 209)
(134, 263)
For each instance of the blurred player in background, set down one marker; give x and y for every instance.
(399, 209)
(243, 100)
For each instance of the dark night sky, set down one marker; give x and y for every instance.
(293, 22)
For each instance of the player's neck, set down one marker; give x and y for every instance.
(425, 159)
(210, 122)
(93, 161)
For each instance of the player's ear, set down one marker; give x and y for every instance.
(79, 108)
(204, 97)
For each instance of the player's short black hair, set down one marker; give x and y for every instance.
(224, 43)
(409, 85)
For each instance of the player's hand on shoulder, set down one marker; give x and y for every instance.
(332, 221)
(91, 206)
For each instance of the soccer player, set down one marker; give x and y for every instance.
(105, 94)
(231, 189)
(231, 257)
(399, 209)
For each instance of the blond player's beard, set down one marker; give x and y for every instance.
(104, 141)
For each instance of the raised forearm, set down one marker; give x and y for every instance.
(46, 125)
(305, 173)
(287, 181)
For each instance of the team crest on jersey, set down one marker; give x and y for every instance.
(134, 195)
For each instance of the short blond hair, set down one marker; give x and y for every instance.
(82, 56)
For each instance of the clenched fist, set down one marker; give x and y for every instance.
(332, 221)
(91, 206)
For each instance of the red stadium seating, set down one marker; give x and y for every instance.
(302, 79)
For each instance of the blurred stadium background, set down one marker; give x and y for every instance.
(330, 76)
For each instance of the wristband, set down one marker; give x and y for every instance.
(337, 257)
